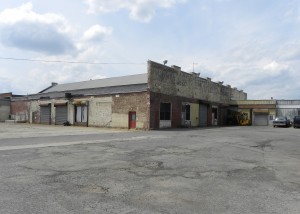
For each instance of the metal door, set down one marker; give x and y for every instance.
(203, 115)
(46, 114)
(61, 115)
(261, 119)
(132, 120)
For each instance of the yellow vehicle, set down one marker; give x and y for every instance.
(242, 119)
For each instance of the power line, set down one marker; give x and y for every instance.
(72, 62)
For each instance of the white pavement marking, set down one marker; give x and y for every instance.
(43, 145)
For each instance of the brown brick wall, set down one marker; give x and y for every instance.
(3, 95)
(19, 107)
(138, 102)
(176, 107)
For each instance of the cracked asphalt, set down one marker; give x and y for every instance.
(56, 169)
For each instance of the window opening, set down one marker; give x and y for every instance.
(165, 111)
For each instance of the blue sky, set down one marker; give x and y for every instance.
(253, 45)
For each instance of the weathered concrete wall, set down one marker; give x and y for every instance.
(4, 110)
(103, 111)
(34, 112)
(100, 111)
(171, 81)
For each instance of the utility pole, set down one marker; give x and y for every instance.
(194, 65)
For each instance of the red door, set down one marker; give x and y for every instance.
(132, 120)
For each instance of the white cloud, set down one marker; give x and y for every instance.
(96, 33)
(140, 10)
(22, 28)
(274, 68)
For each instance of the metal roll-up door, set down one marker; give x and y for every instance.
(203, 115)
(261, 119)
(45, 114)
(61, 115)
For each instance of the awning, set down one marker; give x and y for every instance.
(45, 104)
(80, 102)
(62, 103)
(265, 111)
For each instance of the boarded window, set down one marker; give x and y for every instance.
(165, 111)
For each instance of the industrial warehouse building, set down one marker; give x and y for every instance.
(163, 97)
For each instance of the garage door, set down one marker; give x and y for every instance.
(45, 114)
(203, 115)
(261, 119)
(61, 115)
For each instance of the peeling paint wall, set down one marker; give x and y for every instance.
(100, 111)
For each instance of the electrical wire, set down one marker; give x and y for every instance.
(72, 62)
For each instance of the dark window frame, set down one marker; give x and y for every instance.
(165, 111)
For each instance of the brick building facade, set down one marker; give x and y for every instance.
(161, 98)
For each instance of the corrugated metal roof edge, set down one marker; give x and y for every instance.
(127, 76)
(66, 91)
(41, 95)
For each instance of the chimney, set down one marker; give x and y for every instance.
(54, 84)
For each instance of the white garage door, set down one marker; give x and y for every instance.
(261, 119)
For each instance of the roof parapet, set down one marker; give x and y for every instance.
(177, 68)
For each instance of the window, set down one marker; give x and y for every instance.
(165, 111)
(81, 114)
(187, 112)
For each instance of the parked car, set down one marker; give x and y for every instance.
(296, 122)
(281, 122)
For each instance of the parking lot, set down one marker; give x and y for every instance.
(57, 169)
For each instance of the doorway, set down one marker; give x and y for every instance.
(132, 120)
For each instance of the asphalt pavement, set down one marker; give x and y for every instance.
(58, 169)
